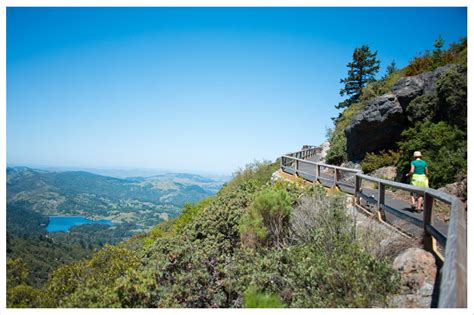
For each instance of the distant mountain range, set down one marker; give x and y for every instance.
(138, 172)
(141, 200)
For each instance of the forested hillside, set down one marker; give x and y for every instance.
(255, 244)
(134, 205)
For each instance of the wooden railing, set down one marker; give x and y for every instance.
(306, 152)
(453, 288)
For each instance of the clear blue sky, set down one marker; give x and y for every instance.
(191, 89)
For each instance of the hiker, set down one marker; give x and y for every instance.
(419, 177)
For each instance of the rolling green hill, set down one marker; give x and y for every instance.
(134, 204)
(142, 201)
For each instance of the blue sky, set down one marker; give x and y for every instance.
(191, 89)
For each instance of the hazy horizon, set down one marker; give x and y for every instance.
(191, 89)
(124, 172)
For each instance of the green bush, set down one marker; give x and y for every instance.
(17, 272)
(337, 153)
(266, 220)
(373, 161)
(255, 299)
(328, 268)
(451, 89)
(189, 212)
(444, 148)
(422, 108)
(23, 296)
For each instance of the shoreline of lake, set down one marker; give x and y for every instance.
(62, 223)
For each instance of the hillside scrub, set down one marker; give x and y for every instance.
(205, 263)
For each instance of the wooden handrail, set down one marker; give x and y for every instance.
(453, 288)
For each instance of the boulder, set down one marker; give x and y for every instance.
(417, 269)
(458, 189)
(375, 128)
(387, 172)
(408, 88)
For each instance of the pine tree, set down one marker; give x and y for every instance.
(361, 71)
(438, 53)
(391, 68)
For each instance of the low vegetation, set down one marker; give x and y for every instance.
(255, 244)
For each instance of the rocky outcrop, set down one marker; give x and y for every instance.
(458, 189)
(408, 88)
(322, 152)
(417, 269)
(379, 125)
(388, 172)
(375, 128)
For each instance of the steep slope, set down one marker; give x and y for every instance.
(242, 247)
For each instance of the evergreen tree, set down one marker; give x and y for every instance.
(362, 70)
(438, 43)
(391, 68)
(438, 53)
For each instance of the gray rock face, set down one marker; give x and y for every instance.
(375, 128)
(417, 270)
(380, 124)
(408, 88)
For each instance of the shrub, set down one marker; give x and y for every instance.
(420, 64)
(257, 173)
(451, 89)
(317, 213)
(266, 220)
(447, 103)
(380, 87)
(255, 299)
(429, 61)
(422, 108)
(373, 161)
(23, 296)
(444, 148)
(325, 266)
(337, 151)
(189, 212)
(17, 272)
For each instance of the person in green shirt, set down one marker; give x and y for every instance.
(419, 177)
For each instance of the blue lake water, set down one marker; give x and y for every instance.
(64, 223)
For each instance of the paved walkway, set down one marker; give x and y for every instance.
(308, 171)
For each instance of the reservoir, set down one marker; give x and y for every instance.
(64, 223)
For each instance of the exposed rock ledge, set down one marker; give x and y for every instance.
(381, 122)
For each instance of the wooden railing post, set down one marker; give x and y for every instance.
(427, 218)
(381, 201)
(317, 173)
(336, 177)
(358, 182)
(296, 167)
